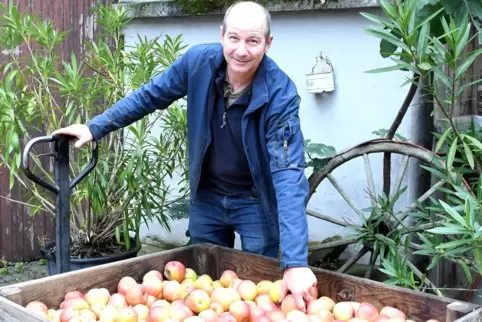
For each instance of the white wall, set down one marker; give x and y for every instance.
(360, 104)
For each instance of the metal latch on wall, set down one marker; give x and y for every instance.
(321, 78)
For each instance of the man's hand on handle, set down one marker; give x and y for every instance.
(80, 131)
(298, 280)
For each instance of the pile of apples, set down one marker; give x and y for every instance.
(180, 295)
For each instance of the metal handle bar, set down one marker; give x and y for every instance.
(55, 138)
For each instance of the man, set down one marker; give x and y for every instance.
(246, 152)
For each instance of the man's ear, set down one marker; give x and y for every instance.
(268, 43)
(221, 33)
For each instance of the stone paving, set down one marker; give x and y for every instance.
(12, 273)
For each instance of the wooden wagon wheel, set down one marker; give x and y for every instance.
(386, 225)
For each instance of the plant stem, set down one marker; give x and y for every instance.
(393, 129)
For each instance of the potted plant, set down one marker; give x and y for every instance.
(140, 168)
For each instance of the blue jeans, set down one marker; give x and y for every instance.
(215, 218)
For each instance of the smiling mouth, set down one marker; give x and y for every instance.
(241, 61)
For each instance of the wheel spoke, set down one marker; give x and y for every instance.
(401, 174)
(349, 263)
(316, 214)
(415, 246)
(371, 182)
(416, 229)
(337, 243)
(425, 279)
(401, 216)
(345, 196)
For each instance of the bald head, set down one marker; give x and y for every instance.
(247, 10)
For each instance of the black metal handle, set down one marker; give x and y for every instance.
(55, 138)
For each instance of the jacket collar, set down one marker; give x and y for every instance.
(259, 92)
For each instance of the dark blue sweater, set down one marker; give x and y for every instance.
(226, 170)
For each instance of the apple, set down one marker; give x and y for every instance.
(367, 311)
(314, 318)
(73, 294)
(97, 295)
(382, 318)
(37, 306)
(289, 304)
(82, 319)
(392, 312)
(225, 296)
(190, 274)
(158, 314)
(172, 290)
(226, 317)
(108, 314)
(76, 303)
(343, 311)
(153, 285)
(236, 282)
(256, 312)
(150, 300)
(205, 285)
(68, 314)
(298, 316)
(216, 307)
(276, 315)
(175, 271)
(161, 303)
(198, 301)
(264, 301)
(240, 310)
(209, 315)
(126, 314)
(153, 273)
(325, 315)
(179, 312)
(118, 300)
(264, 286)
(136, 294)
(194, 319)
(227, 278)
(247, 290)
(97, 308)
(142, 311)
(262, 319)
(275, 291)
(124, 284)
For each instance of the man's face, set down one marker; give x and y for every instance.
(244, 43)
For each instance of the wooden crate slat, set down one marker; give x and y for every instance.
(213, 260)
(52, 289)
(341, 287)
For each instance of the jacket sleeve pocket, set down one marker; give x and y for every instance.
(288, 149)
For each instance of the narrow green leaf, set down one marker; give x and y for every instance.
(388, 37)
(442, 139)
(454, 214)
(453, 243)
(467, 63)
(447, 230)
(469, 155)
(451, 155)
(384, 69)
(466, 269)
(425, 66)
(426, 20)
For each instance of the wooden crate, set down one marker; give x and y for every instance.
(213, 260)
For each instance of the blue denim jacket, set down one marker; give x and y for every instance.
(271, 131)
